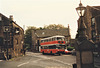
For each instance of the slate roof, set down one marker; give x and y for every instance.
(52, 32)
(98, 7)
(94, 10)
(6, 20)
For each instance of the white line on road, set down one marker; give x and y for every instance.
(62, 62)
(39, 56)
(37, 60)
(44, 57)
(22, 64)
(1, 60)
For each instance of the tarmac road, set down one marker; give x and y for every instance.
(37, 60)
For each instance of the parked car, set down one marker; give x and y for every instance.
(67, 52)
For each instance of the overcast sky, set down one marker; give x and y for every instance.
(44, 12)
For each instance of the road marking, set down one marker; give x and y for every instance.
(37, 60)
(22, 64)
(44, 57)
(62, 62)
(1, 60)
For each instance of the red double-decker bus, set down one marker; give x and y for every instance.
(53, 45)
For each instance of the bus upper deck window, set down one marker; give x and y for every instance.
(52, 39)
(58, 38)
(41, 41)
(63, 39)
(55, 39)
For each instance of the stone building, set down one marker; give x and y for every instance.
(37, 35)
(92, 22)
(11, 37)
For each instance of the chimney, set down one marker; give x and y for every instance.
(11, 17)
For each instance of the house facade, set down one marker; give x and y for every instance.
(37, 35)
(11, 37)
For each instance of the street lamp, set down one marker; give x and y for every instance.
(80, 10)
(82, 27)
(83, 46)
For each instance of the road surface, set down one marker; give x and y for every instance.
(37, 60)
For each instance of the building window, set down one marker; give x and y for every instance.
(6, 29)
(1, 40)
(0, 29)
(93, 21)
(96, 45)
(0, 18)
(17, 30)
(16, 41)
(99, 37)
(94, 34)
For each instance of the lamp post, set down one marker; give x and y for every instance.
(83, 47)
(81, 25)
(80, 10)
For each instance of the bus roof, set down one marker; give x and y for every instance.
(53, 37)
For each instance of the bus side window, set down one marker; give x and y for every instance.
(45, 47)
(50, 47)
(47, 40)
(42, 41)
(54, 47)
(58, 38)
(55, 38)
(42, 47)
(63, 39)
